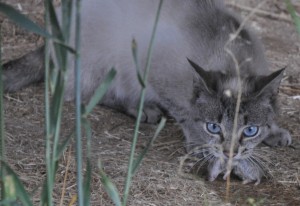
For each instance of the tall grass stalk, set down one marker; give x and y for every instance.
(48, 138)
(2, 137)
(234, 136)
(78, 104)
(57, 40)
(140, 109)
(55, 75)
(296, 18)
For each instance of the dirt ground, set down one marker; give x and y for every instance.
(157, 182)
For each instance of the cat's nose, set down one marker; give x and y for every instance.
(227, 154)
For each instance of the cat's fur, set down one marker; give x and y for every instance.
(195, 92)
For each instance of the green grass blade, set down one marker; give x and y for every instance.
(61, 34)
(9, 188)
(44, 198)
(46, 195)
(65, 46)
(57, 102)
(60, 53)
(87, 184)
(88, 176)
(16, 189)
(22, 20)
(51, 75)
(8, 202)
(78, 136)
(151, 44)
(2, 137)
(55, 27)
(141, 156)
(110, 188)
(100, 92)
(63, 146)
(140, 107)
(66, 9)
(135, 59)
(293, 13)
(55, 87)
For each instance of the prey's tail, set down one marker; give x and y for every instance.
(22, 72)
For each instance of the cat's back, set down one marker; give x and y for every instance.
(121, 21)
(109, 26)
(191, 29)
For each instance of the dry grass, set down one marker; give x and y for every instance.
(157, 182)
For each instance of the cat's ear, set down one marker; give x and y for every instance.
(268, 85)
(207, 79)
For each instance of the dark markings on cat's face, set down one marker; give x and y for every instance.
(197, 119)
(245, 119)
(181, 121)
(220, 117)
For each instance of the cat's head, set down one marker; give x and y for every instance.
(211, 129)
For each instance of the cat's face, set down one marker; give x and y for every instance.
(210, 130)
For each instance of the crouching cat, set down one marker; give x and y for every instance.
(192, 76)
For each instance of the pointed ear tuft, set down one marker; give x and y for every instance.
(268, 85)
(207, 79)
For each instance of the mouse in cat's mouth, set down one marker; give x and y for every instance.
(243, 163)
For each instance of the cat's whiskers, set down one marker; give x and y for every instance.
(202, 152)
(196, 145)
(204, 161)
(259, 164)
(264, 155)
(264, 158)
(265, 166)
(197, 157)
(264, 151)
(198, 149)
(207, 155)
(200, 155)
(187, 157)
(194, 155)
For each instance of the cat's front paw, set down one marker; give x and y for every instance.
(151, 114)
(279, 137)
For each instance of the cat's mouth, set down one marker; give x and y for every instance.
(245, 163)
(250, 169)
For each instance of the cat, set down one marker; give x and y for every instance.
(193, 78)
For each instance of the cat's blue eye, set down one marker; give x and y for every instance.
(250, 131)
(213, 128)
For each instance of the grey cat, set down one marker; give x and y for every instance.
(192, 77)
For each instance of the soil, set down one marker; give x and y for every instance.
(158, 181)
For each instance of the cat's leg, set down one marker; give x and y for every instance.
(22, 72)
(151, 113)
(278, 137)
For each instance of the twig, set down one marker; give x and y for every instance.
(260, 12)
(290, 89)
(65, 178)
(232, 37)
